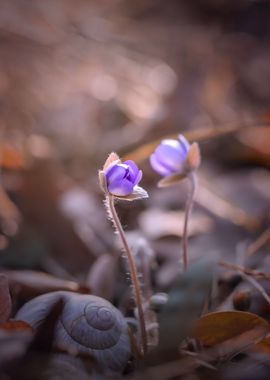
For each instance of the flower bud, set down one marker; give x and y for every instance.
(174, 159)
(121, 179)
(170, 156)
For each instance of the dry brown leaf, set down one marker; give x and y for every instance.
(29, 284)
(15, 326)
(263, 346)
(219, 327)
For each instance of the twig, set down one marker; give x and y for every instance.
(258, 286)
(251, 272)
(258, 243)
(247, 274)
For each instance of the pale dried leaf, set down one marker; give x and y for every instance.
(112, 159)
(172, 179)
(194, 157)
(138, 193)
(102, 181)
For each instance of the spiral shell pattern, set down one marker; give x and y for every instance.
(88, 325)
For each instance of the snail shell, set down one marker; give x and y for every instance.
(88, 325)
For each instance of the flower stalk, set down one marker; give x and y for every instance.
(133, 272)
(176, 160)
(193, 181)
(120, 180)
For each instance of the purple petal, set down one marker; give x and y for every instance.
(158, 167)
(138, 178)
(133, 169)
(121, 188)
(184, 143)
(171, 154)
(116, 173)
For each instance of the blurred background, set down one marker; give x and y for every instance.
(79, 79)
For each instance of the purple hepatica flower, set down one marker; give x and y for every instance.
(122, 178)
(170, 156)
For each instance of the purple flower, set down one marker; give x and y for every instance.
(122, 178)
(170, 156)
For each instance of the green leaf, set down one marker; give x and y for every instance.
(186, 299)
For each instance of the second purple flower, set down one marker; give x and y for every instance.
(170, 156)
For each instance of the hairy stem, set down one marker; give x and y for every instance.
(193, 180)
(133, 273)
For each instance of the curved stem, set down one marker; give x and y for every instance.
(133, 273)
(193, 180)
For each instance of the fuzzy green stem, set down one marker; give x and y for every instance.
(193, 180)
(133, 274)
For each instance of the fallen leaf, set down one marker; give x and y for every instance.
(263, 346)
(15, 326)
(29, 284)
(230, 332)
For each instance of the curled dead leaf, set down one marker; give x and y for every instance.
(112, 159)
(230, 332)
